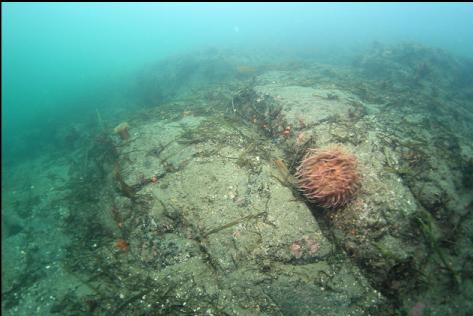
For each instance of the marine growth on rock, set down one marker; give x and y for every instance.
(328, 176)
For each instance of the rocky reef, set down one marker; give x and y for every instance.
(201, 212)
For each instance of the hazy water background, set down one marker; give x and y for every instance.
(61, 61)
(67, 66)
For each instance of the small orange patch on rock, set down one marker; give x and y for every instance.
(296, 249)
(122, 245)
(286, 131)
(245, 70)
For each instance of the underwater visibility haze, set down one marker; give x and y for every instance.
(237, 159)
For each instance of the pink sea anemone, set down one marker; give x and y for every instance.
(328, 176)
